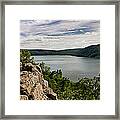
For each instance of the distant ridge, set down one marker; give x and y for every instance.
(92, 51)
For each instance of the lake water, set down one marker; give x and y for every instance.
(71, 66)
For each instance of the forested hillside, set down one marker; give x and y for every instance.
(92, 51)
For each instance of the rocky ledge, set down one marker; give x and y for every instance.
(32, 84)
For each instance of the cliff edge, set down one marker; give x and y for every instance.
(32, 84)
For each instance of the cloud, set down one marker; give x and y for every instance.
(36, 30)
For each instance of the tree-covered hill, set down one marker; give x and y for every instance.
(92, 51)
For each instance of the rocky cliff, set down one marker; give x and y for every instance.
(32, 84)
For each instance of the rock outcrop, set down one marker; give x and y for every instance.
(32, 84)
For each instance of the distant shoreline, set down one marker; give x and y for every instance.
(92, 51)
(66, 55)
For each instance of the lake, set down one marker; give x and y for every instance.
(72, 67)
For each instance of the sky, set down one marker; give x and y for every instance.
(59, 34)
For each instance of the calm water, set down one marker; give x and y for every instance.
(71, 66)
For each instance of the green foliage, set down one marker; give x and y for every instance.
(25, 56)
(84, 89)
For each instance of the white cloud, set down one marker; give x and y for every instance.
(58, 34)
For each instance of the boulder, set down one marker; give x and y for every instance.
(45, 84)
(24, 76)
(23, 97)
